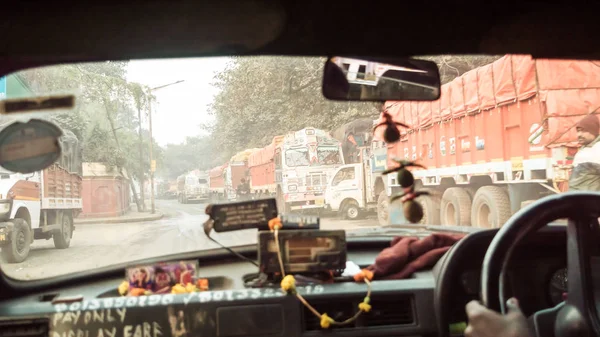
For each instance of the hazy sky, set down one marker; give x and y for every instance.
(181, 108)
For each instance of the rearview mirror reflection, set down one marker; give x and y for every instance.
(352, 79)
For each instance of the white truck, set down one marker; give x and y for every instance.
(41, 205)
(193, 186)
(358, 188)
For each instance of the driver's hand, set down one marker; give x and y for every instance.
(487, 323)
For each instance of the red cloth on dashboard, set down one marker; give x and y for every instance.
(407, 255)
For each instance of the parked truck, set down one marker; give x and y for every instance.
(499, 137)
(192, 186)
(41, 205)
(217, 183)
(261, 164)
(357, 187)
(236, 170)
(304, 162)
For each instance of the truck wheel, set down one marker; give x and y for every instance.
(382, 208)
(431, 209)
(491, 207)
(456, 207)
(351, 211)
(471, 191)
(62, 237)
(20, 242)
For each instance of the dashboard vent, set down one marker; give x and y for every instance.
(386, 310)
(38, 327)
(338, 309)
(389, 310)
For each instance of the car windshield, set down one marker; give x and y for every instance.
(143, 132)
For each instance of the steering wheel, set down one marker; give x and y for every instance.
(577, 316)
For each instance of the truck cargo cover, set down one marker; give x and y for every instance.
(243, 155)
(567, 90)
(217, 171)
(264, 155)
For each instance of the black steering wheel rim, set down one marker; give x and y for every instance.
(582, 209)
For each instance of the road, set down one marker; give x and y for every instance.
(99, 245)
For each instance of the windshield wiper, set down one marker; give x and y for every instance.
(409, 230)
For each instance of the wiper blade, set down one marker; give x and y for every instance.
(410, 230)
(386, 231)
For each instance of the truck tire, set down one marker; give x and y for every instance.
(382, 208)
(431, 209)
(471, 191)
(351, 211)
(20, 242)
(456, 207)
(62, 237)
(491, 207)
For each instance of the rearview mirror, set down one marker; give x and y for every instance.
(29, 147)
(352, 79)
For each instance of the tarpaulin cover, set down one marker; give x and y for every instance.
(446, 95)
(485, 86)
(471, 91)
(436, 111)
(568, 90)
(412, 114)
(524, 76)
(425, 113)
(505, 91)
(217, 171)
(568, 74)
(565, 108)
(243, 155)
(457, 98)
(264, 155)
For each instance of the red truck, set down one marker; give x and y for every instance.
(499, 137)
(262, 168)
(217, 183)
(236, 170)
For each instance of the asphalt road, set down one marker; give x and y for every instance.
(99, 245)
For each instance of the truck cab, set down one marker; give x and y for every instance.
(193, 187)
(357, 189)
(345, 192)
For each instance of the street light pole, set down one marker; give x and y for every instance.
(151, 158)
(153, 167)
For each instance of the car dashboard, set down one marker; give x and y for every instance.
(423, 305)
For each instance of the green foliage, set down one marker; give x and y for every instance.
(194, 153)
(105, 119)
(262, 97)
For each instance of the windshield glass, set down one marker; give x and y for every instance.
(141, 131)
(328, 155)
(191, 181)
(297, 157)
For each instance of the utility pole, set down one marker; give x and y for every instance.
(152, 165)
(141, 172)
